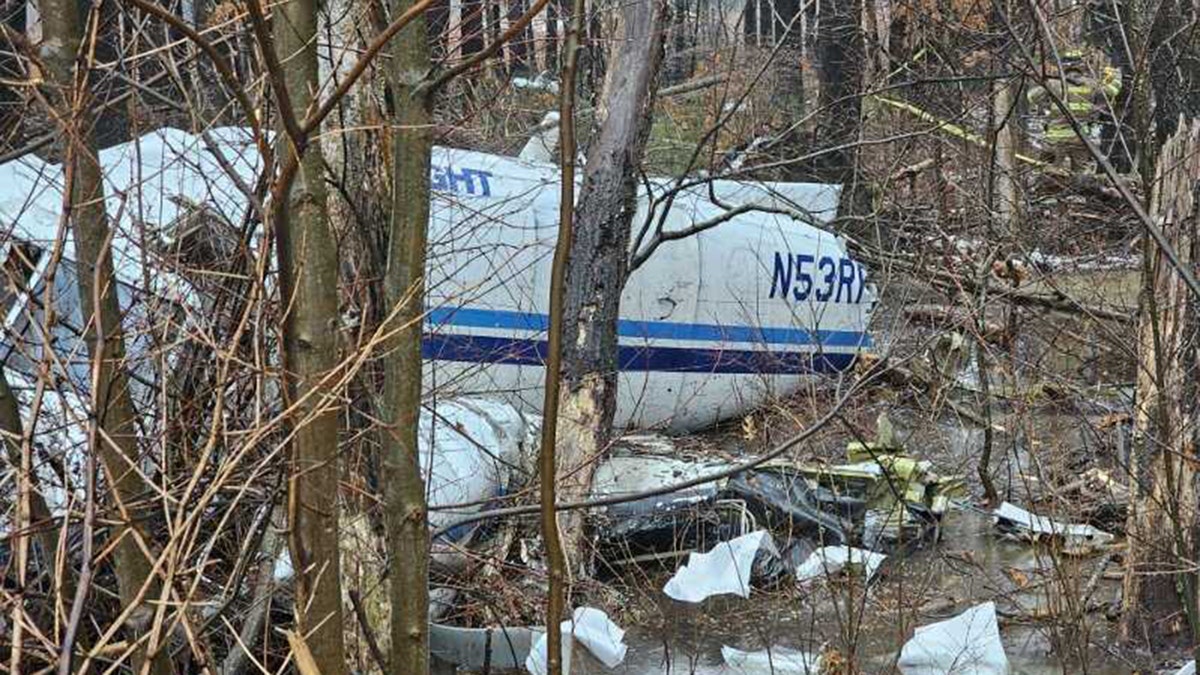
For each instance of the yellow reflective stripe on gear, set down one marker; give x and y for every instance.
(1059, 134)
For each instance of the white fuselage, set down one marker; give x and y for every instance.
(711, 325)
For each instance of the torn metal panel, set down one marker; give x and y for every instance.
(783, 500)
(967, 644)
(726, 569)
(1076, 539)
(663, 526)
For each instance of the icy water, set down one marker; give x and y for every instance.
(1037, 594)
(971, 566)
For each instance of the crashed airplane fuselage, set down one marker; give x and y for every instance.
(711, 324)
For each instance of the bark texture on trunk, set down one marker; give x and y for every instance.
(750, 30)
(113, 407)
(789, 69)
(1163, 509)
(1005, 190)
(520, 60)
(840, 64)
(404, 487)
(309, 273)
(599, 251)
(552, 31)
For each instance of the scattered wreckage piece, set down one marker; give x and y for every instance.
(664, 527)
(590, 627)
(774, 661)
(967, 644)
(883, 501)
(905, 498)
(471, 448)
(482, 648)
(1100, 499)
(831, 560)
(726, 569)
(1073, 538)
(780, 496)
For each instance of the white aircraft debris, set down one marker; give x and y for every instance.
(1076, 538)
(726, 569)
(590, 627)
(968, 644)
(829, 560)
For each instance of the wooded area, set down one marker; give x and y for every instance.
(425, 336)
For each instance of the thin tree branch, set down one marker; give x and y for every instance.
(266, 45)
(223, 69)
(547, 455)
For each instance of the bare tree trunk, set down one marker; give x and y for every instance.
(1163, 509)
(1004, 189)
(750, 31)
(500, 61)
(598, 258)
(519, 58)
(789, 69)
(679, 62)
(265, 584)
(840, 58)
(472, 27)
(116, 418)
(552, 12)
(308, 274)
(404, 488)
(37, 511)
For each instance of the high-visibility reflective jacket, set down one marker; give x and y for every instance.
(1083, 98)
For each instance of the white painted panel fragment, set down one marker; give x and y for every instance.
(968, 644)
(724, 570)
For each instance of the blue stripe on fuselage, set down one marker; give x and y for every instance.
(472, 317)
(532, 352)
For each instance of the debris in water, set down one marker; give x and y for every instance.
(1076, 539)
(725, 569)
(968, 644)
(1097, 497)
(665, 526)
(831, 560)
(775, 661)
(881, 501)
(593, 629)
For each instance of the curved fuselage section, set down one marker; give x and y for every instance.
(711, 325)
